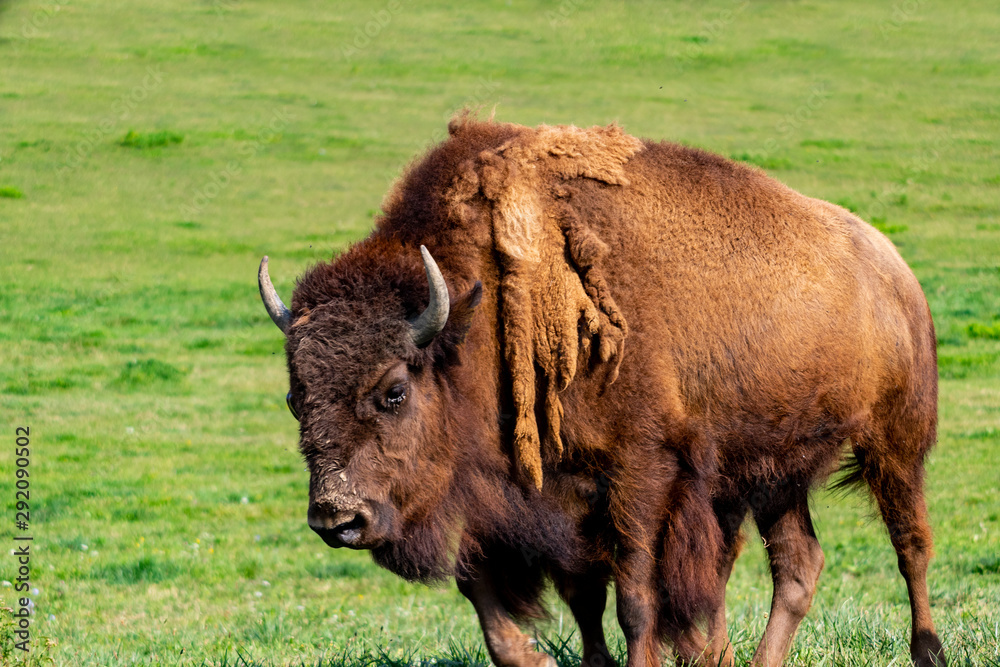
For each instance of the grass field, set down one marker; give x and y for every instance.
(152, 152)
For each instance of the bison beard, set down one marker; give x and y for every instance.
(633, 346)
(424, 554)
(498, 518)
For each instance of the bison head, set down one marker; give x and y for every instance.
(366, 359)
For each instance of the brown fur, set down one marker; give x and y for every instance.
(665, 340)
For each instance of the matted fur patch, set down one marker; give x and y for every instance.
(554, 299)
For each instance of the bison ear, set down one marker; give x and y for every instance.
(460, 317)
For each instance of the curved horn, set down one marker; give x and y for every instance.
(275, 308)
(432, 320)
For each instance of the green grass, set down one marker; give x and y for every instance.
(168, 499)
(133, 139)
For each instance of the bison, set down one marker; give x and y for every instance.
(572, 356)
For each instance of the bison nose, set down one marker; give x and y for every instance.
(345, 528)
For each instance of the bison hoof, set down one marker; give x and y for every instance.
(598, 660)
(545, 660)
(926, 650)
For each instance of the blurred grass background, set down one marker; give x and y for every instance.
(152, 152)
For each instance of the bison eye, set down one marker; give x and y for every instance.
(291, 405)
(395, 396)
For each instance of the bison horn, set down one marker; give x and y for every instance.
(275, 308)
(432, 320)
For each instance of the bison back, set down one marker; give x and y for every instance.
(770, 318)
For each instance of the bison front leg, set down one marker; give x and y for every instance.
(718, 636)
(720, 652)
(508, 646)
(667, 566)
(587, 596)
(638, 606)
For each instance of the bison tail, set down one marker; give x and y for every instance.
(689, 566)
(851, 474)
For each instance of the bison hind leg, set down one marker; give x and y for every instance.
(893, 469)
(796, 560)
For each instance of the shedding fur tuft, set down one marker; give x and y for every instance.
(554, 299)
